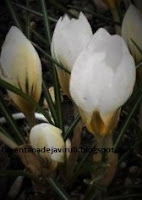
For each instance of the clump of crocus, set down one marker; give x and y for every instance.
(49, 137)
(21, 66)
(70, 37)
(132, 31)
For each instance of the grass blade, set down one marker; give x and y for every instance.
(10, 120)
(53, 69)
(71, 127)
(126, 123)
(50, 102)
(50, 58)
(62, 8)
(17, 91)
(46, 21)
(13, 14)
(28, 32)
(9, 142)
(39, 36)
(58, 189)
(110, 21)
(33, 11)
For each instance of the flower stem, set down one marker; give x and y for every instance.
(111, 158)
(30, 116)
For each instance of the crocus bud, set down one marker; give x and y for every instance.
(132, 31)
(49, 137)
(102, 80)
(21, 66)
(70, 37)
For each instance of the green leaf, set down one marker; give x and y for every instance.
(110, 21)
(9, 142)
(50, 102)
(50, 58)
(58, 5)
(128, 120)
(71, 127)
(46, 21)
(53, 69)
(13, 13)
(11, 121)
(57, 188)
(17, 91)
(137, 46)
(32, 11)
(28, 32)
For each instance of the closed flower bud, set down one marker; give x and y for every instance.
(102, 80)
(48, 136)
(132, 31)
(21, 67)
(70, 37)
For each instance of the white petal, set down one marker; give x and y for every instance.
(48, 136)
(132, 29)
(20, 62)
(103, 76)
(70, 37)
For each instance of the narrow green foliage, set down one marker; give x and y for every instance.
(10, 120)
(137, 46)
(33, 11)
(128, 120)
(110, 21)
(50, 102)
(58, 189)
(50, 58)
(13, 14)
(58, 5)
(17, 91)
(53, 69)
(7, 140)
(39, 37)
(28, 32)
(71, 127)
(133, 147)
(46, 21)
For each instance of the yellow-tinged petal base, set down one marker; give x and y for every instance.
(96, 125)
(64, 79)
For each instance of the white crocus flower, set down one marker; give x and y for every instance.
(70, 37)
(50, 137)
(132, 31)
(21, 66)
(102, 80)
